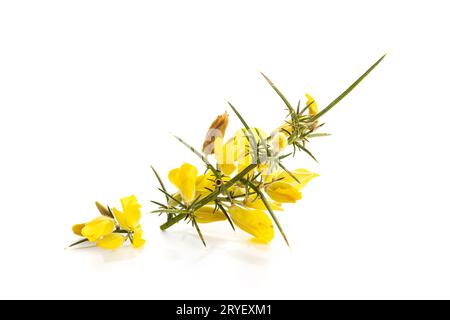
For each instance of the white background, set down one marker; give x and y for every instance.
(90, 91)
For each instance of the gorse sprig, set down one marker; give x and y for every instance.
(248, 179)
(244, 180)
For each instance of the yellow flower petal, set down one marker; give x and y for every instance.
(184, 179)
(77, 229)
(227, 169)
(205, 182)
(312, 105)
(283, 192)
(225, 155)
(131, 215)
(97, 228)
(130, 204)
(302, 175)
(208, 214)
(255, 222)
(279, 142)
(121, 218)
(111, 241)
(138, 241)
(286, 129)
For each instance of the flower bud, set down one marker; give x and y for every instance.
(312, 105)
(103, 210)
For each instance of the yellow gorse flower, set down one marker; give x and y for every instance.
(286, 129)
(111, 230)
(225, 155)
(111, 241)
(138, 241)
(184, 178)
(130, 216)
(285, 189)
(255, 222)
(283, 192)
(302, 175)
(208, 214)
(205, 183)
(97, 228)
(312, 105)
(235, 152)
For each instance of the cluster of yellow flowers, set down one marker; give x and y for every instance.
(243, 208)
(247, 211)
(113, 227)
(244, 180)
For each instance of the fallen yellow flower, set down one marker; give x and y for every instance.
(97, 228)
(138, 241)
(111, 241)
(77, 229)
(111, 231)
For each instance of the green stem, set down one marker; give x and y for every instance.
(347, 91)
(173, 221)
(212, 196)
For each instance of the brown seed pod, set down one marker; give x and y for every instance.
(216, 130)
